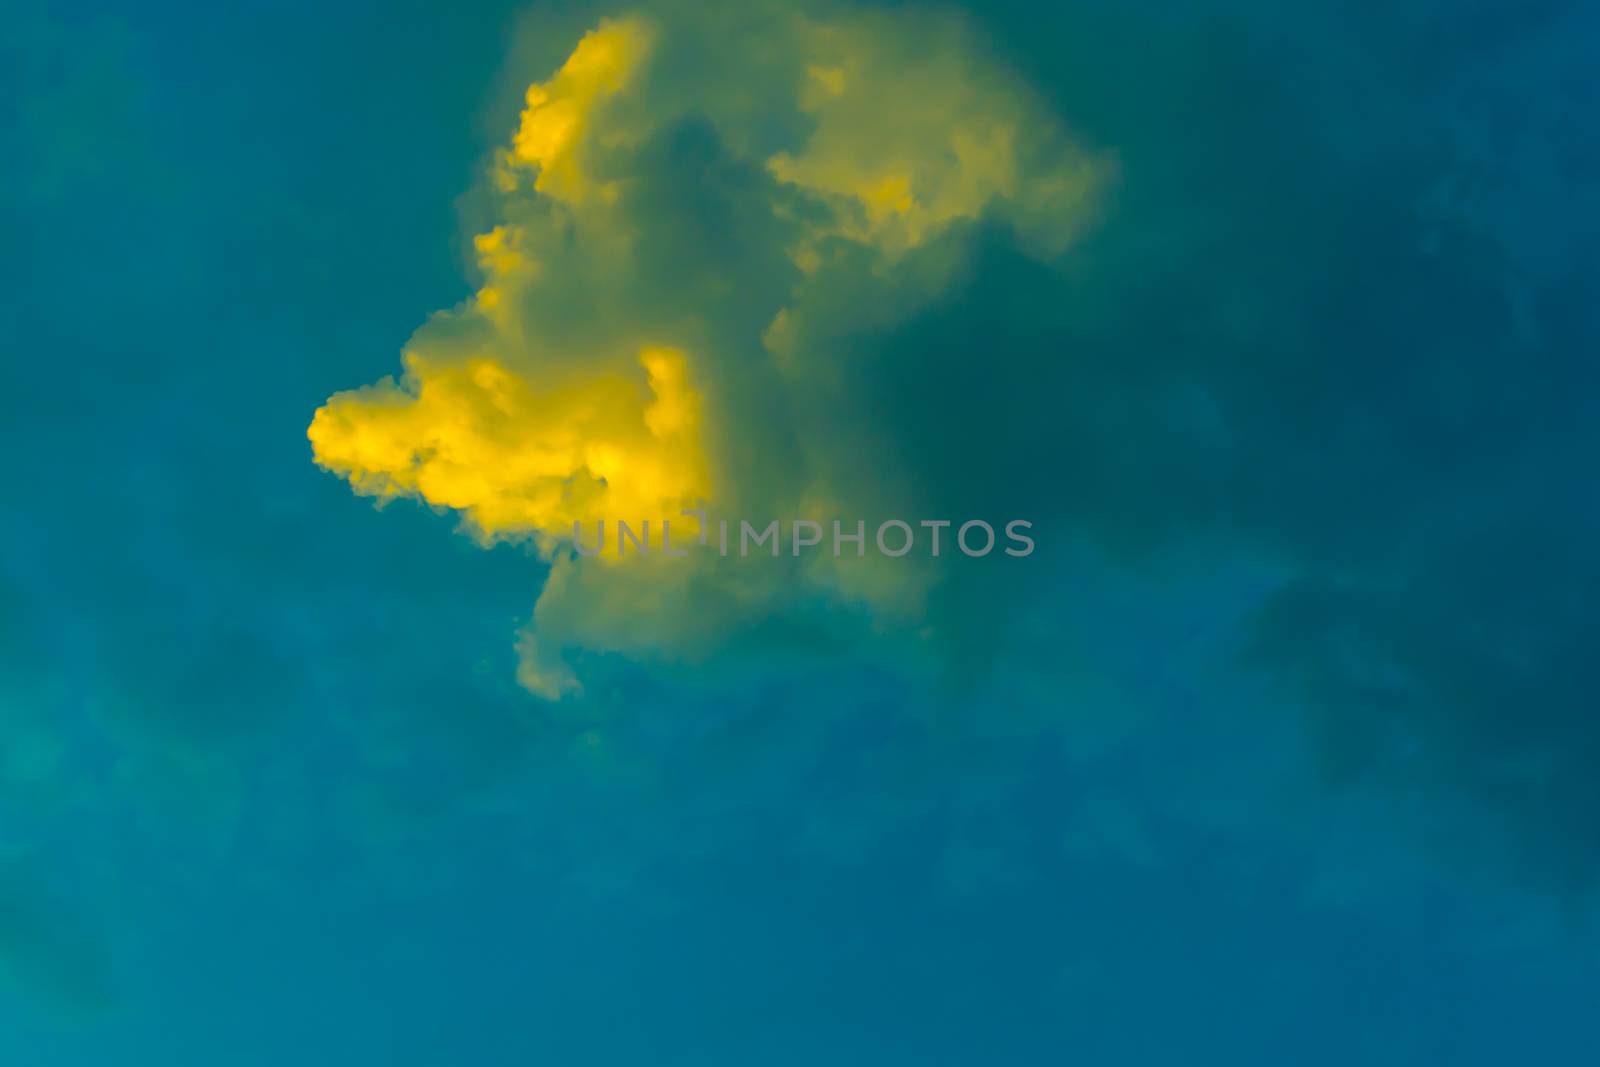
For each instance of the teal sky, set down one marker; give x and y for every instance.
(1276, 322)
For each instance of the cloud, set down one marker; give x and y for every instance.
(680, 257)
(516, 457)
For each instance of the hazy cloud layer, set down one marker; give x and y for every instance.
(1276, 321)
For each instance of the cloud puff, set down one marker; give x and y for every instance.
(518, 457)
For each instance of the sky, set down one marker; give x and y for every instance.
(324, 741)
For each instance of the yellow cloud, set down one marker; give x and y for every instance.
(516, 458)
(913, 132)
(559, 117)
(610, 367)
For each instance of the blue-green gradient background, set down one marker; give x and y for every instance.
(1292, 756)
